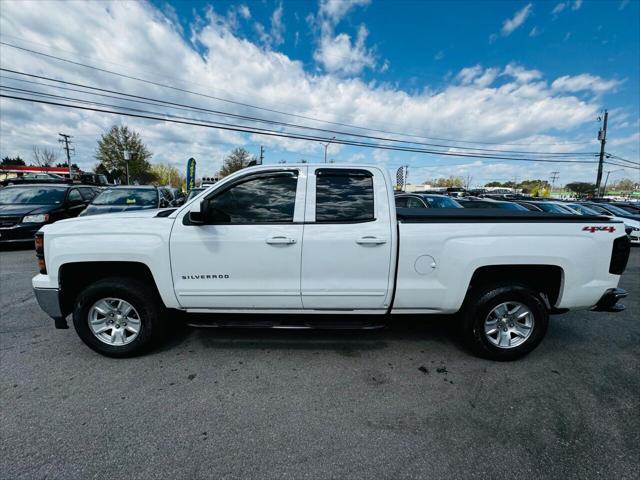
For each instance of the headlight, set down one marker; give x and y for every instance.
(40, 218)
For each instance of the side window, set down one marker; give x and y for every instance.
(344, 195)
(87, 194)
(413, 202)
(401, 202)
(74, 196)
(267, 198)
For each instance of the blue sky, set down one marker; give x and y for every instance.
(512, 72)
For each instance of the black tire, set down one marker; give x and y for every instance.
(146, 302)
(481, 302)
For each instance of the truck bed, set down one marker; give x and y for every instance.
(491, 215)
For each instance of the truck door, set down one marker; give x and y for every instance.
(247, 254)
(347, 243)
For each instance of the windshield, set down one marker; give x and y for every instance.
(552, 207)
(193, 192)
(441, 202)
(511, 206)
(137, 197)
(32, 195)
(616, 210)
(582, 210)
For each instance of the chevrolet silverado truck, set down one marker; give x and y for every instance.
(305, 239)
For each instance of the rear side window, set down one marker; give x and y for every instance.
(344, 195)
(87, 193)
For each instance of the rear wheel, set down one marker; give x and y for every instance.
(118, 317)
(504, 322)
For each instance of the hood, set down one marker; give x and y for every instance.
(100, 209)
(24, 209)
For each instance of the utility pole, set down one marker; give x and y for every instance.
(66, 140)
(261, 154)
(554, 177)
(602, 136)
(326, 145)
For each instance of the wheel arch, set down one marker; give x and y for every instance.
(548, 280)
(73, 277)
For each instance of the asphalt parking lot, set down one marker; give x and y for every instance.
(404, 402)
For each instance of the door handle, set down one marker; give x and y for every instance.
(370, 240)
(281, 240)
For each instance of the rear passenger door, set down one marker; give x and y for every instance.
(347, 242)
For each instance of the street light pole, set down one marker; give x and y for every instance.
(127, 156)
(326, 145)
(606, 179)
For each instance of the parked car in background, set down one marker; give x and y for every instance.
(193, 192)
(633, 209)
(631, 222)
(421, 200)
(33, 178)
(26, 208)
(612, 210)
(546, 206)
(122, 199)
(177, 195)
(473, 203)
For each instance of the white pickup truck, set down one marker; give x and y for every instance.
(319, 239)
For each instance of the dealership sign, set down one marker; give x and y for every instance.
(191, 173)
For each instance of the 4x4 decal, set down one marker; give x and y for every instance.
(599, 229)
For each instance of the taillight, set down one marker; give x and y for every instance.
(619, 255)
(39, 242)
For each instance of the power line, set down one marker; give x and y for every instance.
(609, 155)
(248, 105)
(181, 106)
(272, 133)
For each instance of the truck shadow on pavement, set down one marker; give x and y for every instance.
(436, 330)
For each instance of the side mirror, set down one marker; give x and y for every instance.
(199, 212)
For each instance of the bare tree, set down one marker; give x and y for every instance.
(45, 157)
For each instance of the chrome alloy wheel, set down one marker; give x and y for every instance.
(508, 325)
(114, 321)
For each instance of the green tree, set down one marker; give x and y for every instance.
(238, 159)
(581, 189)
(625, 185)
(110, 155)
(451, 181)
(167, 175)
(15, 161)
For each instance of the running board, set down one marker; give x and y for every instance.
(287, 324)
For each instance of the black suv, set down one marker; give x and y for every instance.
(26, 208)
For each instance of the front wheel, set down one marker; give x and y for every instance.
(504, 322)
(118, 317)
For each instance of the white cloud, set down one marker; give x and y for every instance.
(576, 5)
(520, 73)
(633, 139)
(244, 12)
(558, 8)
(535, 31)
(585, 81)
(275, 36)
(516, 21)
(521, 108)
(339, 53)
(335, 10)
